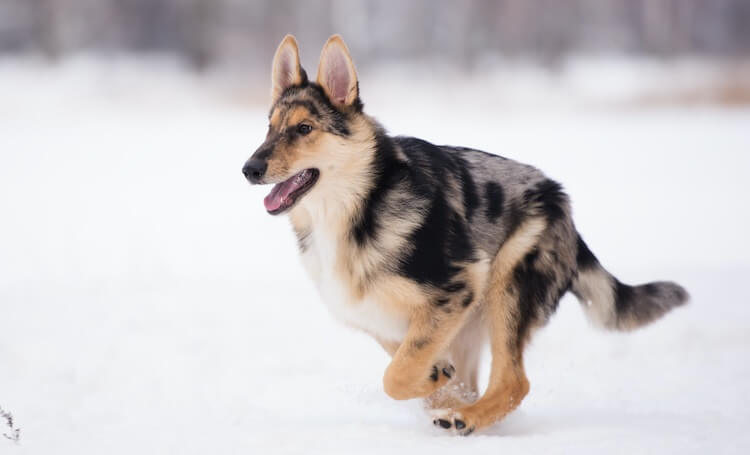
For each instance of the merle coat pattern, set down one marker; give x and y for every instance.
(432, 250)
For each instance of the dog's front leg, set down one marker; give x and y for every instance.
(415, 370)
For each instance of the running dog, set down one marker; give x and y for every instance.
(432, 250)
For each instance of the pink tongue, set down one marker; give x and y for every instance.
(279, 194)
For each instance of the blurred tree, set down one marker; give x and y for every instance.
(43, 27)
(197, 27)
(243, 32)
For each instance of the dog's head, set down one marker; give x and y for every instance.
(311, 124)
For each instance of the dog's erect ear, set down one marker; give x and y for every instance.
(286, 68)
(336, 73)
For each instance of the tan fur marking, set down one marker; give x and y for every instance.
(296, 116)
(278, 166)
(275, 118)
(301, 222)
(398, 292)
(514, 249)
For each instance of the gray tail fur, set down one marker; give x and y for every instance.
(617, 306)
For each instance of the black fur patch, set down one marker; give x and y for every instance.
(550, 197)
(468, 189)
(442, 301)
(439, 242)
(532, 291)
(624, 297)
(264, 151)
(468, 299)
(459, 244)
(388, 172)
(454, 287)
(585, 258)
(495, 200)
(538, 291)
(651, 289)
(442, 240)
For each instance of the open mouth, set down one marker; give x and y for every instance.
(283, 195)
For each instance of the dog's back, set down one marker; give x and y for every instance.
(494, 195)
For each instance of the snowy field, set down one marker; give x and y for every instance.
(149, 305)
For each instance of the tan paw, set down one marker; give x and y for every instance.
(453, 421)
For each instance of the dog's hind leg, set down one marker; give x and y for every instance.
(509, 318)
(508, 383)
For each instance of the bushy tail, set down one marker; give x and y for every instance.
(617, 306)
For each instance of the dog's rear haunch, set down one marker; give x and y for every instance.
(430, 249)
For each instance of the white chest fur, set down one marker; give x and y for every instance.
(367, 313)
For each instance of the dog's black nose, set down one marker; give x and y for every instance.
(254, 170)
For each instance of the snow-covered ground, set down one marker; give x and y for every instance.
(149, 305)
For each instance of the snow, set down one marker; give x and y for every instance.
(149, 305)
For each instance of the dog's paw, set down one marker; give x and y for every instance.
(442, 370)
(404, 385)
(453, 421)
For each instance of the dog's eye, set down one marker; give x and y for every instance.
(304, 129)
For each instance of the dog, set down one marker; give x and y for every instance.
(432, 250)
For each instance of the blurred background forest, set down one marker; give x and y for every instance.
(245, 32)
